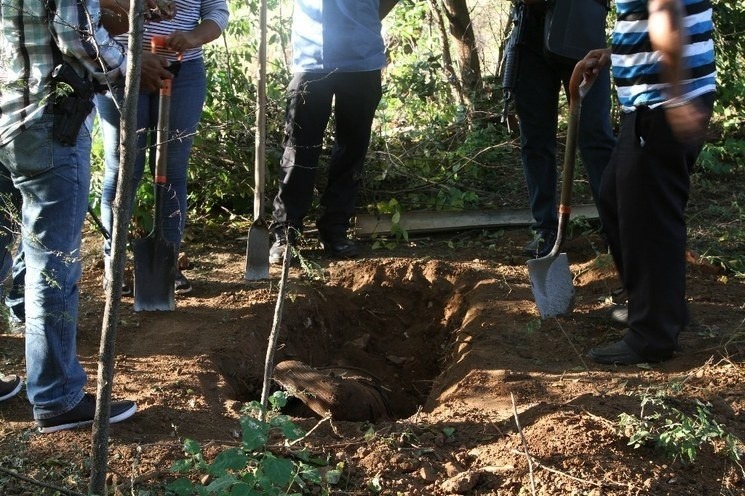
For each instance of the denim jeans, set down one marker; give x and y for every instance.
(310, 96)
(541, 77)
(187, 100)
(53, 180)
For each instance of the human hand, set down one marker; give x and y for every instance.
(687, 119)
(594, 62)
(153, 72)
(179, 41)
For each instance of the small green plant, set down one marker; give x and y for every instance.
(678, 434)
(398, 233)
(252, 469)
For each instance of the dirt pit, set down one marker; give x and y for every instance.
(447, 326)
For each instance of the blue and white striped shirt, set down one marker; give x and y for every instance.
(337, 35)
(636, 66)
(189, 13)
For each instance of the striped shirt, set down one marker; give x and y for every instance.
(189, 13)
(636, 66)
(337, 35)
(27, 59)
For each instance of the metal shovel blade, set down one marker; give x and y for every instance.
(552, 285)
(155, 274)
(257, 251)
(155, 265)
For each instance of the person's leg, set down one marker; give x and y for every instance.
(109, 121)
(15, 301)
(10, 203)
(536, 103)
(357, 95)
(10, 264)
(309, 98)
(596, 140)
(187, 100)
(653, 234)
(54, 181)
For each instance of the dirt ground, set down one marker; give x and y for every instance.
(447, 324)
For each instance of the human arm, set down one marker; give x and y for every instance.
(206, 31)
(214, 16)
(79, 35)
(668, 36)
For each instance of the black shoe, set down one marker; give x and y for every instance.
(10, 385)
(277, 252)
(339, 246)
(542, 244)
(181, 284)
(281, 234)
(126, 288)
(618, 353)
(619, 316)
(83, 414)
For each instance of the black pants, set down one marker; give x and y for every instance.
(354, 96)
(643, 197)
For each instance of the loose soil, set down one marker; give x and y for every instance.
(487, 398)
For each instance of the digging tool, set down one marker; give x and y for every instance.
(154, 256)
(550, 276)
(257, 246)
(97, 222)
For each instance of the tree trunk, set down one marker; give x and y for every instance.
(461, 28)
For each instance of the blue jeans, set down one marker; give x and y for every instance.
(53, 180)
(540, 80)
(187, 100)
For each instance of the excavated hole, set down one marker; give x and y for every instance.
(392, 326)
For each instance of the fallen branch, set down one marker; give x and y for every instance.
(525, 445)
(35, 482)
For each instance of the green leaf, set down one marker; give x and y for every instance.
(255, 433)
(181, 466)
(240, 489)
(181, 486)
(278, 470)
(192, 447)
(333, 476)
(217, 486)
(230, 459)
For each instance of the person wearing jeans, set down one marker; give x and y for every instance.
(541, 76)
(338, 54)
(196, 22)
(44, 180)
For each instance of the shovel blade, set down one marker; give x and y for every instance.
(257, 252)
(155, 274)
(552, 285)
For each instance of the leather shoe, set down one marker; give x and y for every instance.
(619, 316)
(618, 353)
(339, 246)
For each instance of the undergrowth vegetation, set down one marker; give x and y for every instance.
(428, 150)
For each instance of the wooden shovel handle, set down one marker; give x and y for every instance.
(578, 88)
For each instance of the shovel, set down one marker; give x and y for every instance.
(154, 256)
(550, 276)
(257, 246)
